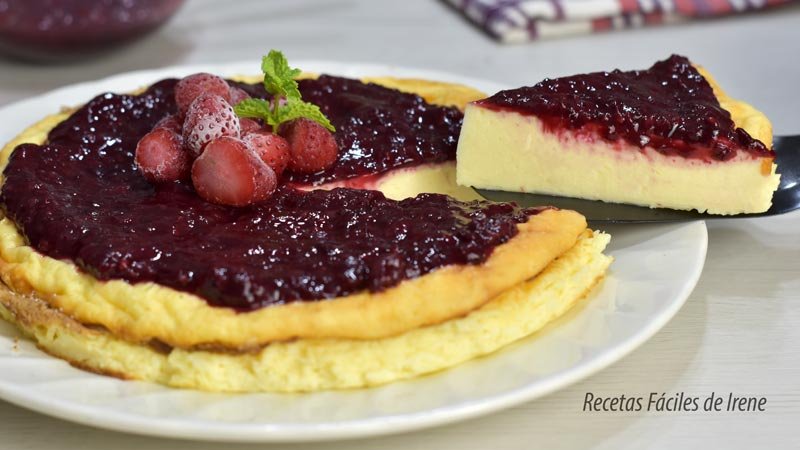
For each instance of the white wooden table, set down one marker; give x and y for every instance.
(739, 330)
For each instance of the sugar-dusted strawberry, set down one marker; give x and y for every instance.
(161, 158)
(190, 87)
(271, 148)
(312, 147)
(209, 117)
(229, 173)
(238, 94)
(171, 122)
(247, 126)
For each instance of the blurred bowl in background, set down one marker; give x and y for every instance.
(62, 30)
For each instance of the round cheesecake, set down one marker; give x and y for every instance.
(312, 289)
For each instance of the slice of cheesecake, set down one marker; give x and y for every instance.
(663, 137)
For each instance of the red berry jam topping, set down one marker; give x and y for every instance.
(669, 107)
(82, 198)
(61, 29)
(377, 129)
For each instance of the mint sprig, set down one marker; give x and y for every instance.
(286, 104)
(278, 76)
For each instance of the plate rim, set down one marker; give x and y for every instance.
(360, 428)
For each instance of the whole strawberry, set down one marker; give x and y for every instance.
(229, 173)
(161, 158)
(209, 117)
(192, 86)
(271, 148)
(312, 147)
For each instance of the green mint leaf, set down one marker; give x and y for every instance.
(254, 108)
(296, 108)
(278, 76)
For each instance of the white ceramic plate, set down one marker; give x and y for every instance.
(655, 270)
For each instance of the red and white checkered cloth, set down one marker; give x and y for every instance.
(514, 21)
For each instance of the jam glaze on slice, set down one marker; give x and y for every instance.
(80, 198)
(669, 107)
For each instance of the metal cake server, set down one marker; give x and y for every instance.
(785, 199)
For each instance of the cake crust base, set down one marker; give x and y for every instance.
(318, 364)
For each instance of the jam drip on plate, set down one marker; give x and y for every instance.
(669, 107)
(80, 198)
(377, 129)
